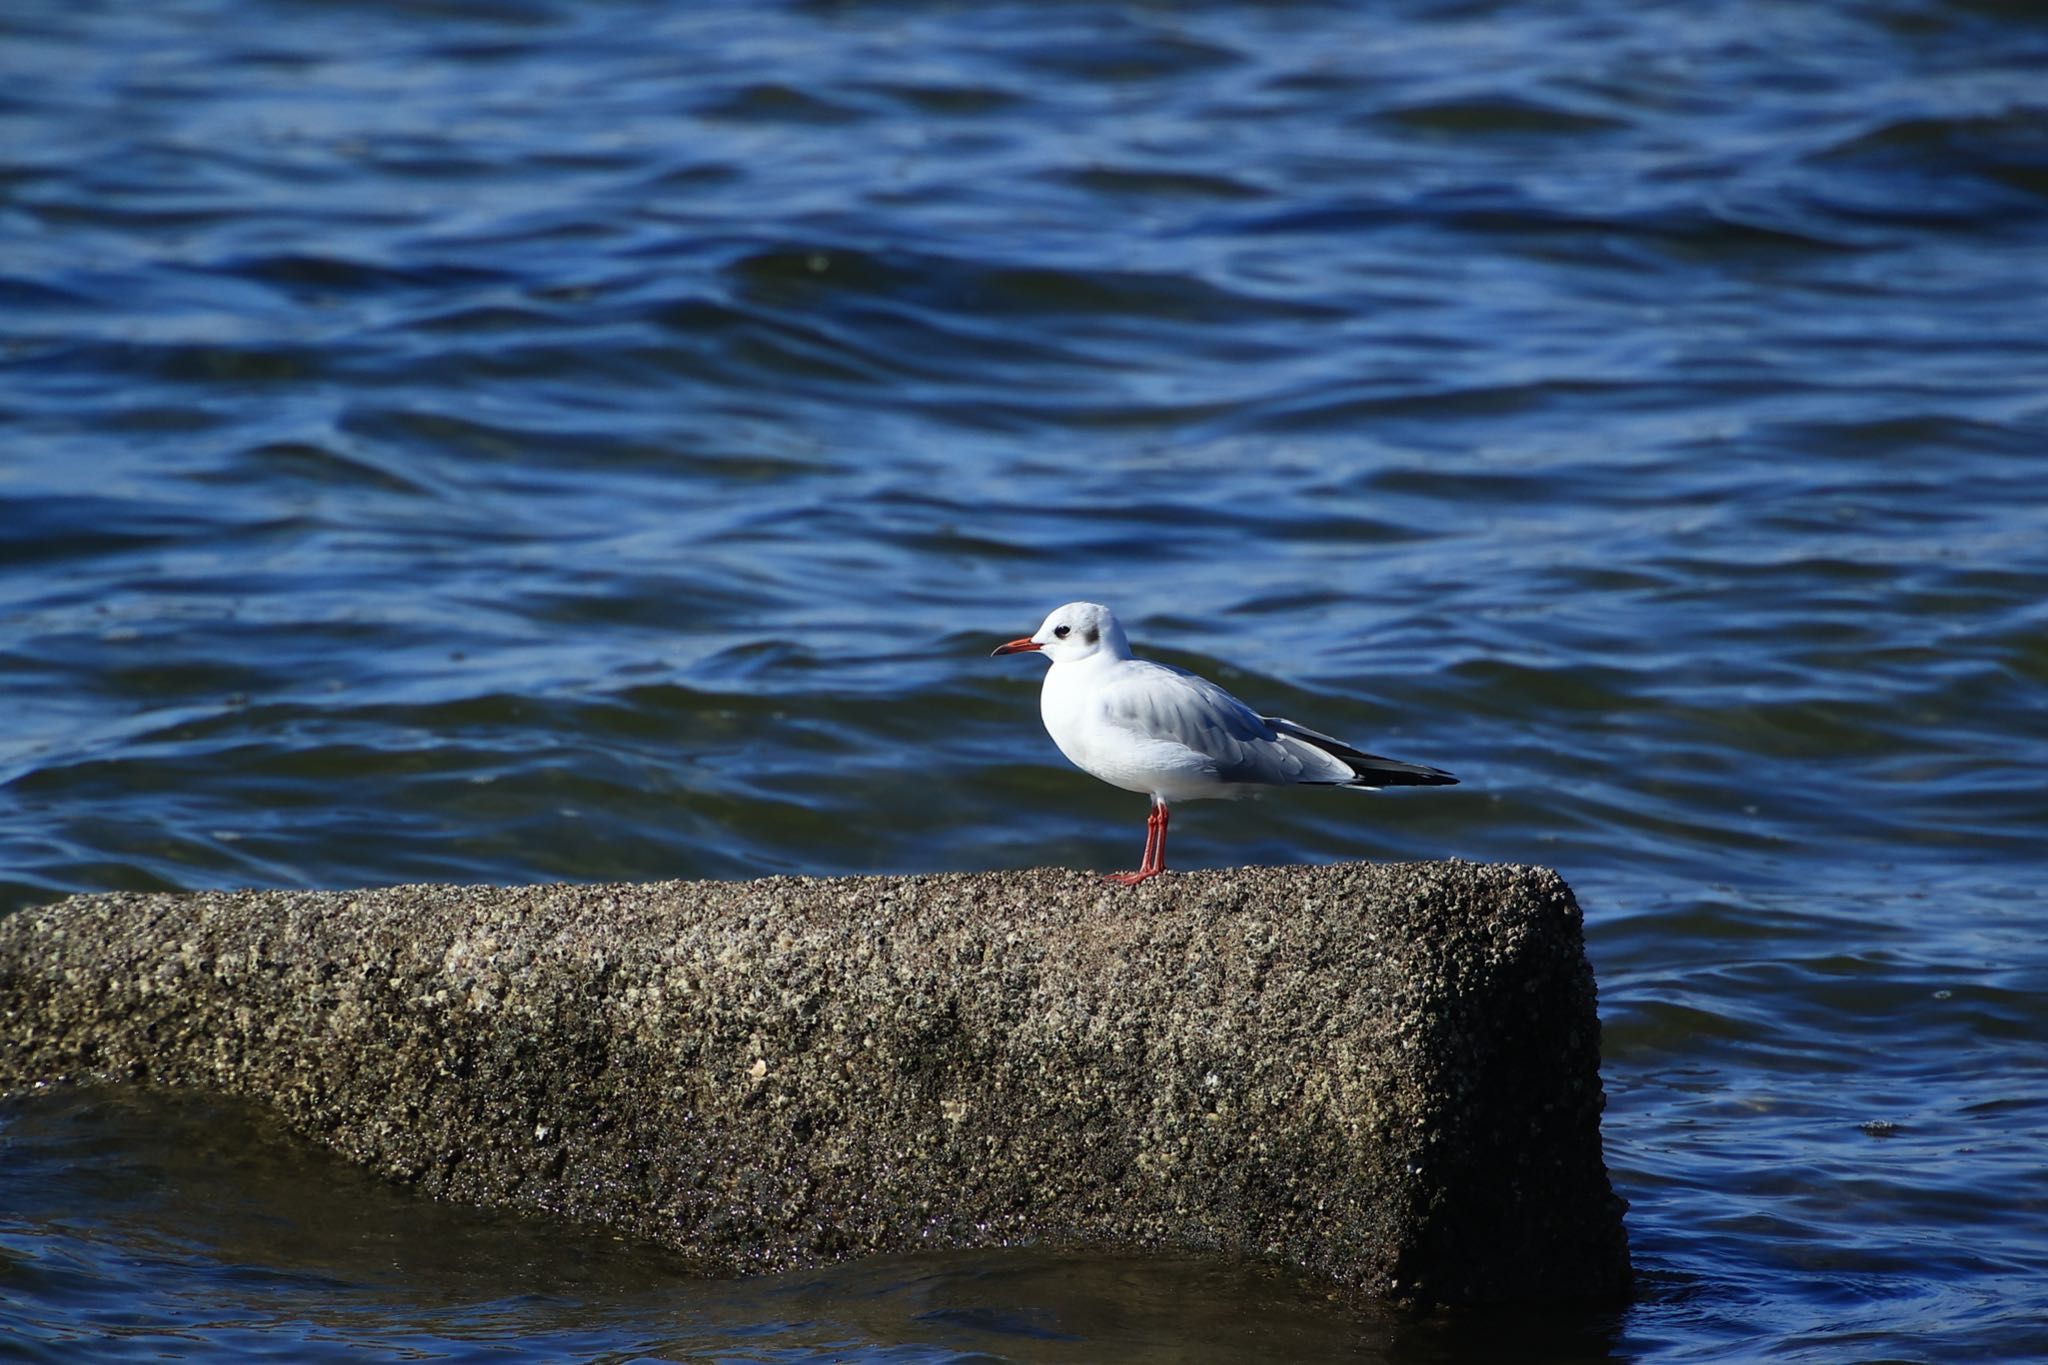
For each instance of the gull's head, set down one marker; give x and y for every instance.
(1079, 630)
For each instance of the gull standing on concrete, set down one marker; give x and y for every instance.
(1152, 728)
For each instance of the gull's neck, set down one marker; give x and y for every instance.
(1100, 661)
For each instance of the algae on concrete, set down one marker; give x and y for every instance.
(1383, 1076)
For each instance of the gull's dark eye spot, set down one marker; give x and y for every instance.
(1062, 632)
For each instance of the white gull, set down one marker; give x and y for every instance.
(1152, 728)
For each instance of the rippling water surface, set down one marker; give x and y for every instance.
(546, 441)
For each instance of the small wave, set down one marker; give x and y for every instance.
(1501, 116)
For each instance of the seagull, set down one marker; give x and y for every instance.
(1153, 728)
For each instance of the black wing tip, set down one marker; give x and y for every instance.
(1425, 777)
(1376, 771)
(1368, 770)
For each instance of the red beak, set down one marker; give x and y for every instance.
(1016, 647)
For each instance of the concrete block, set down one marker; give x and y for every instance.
(1383, 1076)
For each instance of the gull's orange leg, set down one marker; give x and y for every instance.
(1154, 861)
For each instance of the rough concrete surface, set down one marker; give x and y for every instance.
(1384, 1076)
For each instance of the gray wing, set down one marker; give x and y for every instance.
(1237, 744)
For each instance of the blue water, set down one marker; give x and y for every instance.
(589, 441)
